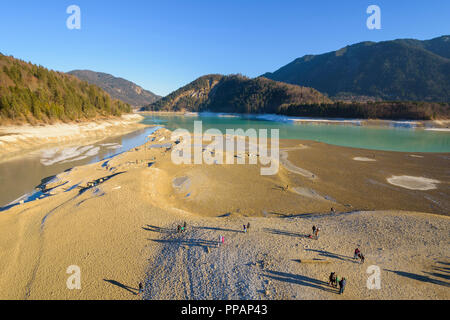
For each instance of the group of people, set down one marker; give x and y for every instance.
(335, 281)
(315, 233)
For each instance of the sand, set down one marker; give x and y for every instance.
(16, 140)
(117, 221)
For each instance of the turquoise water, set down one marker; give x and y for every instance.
(394, 138)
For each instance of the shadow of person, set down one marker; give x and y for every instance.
(300, 280)
(332, 255)
(158, 229)
(419, 277)
(120, 285)
(285, 233)
(217, 229)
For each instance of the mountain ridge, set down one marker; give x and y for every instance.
(402, 69)
(117, 87)
(237, 94)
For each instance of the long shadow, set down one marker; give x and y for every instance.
(300, 280)
(438, 275)
(120, 285)
(313, 214)
(419, 277)
(190, 242)
(442, 269)
(328, 254)
(158, 229)
(218, 229)
(286, 233)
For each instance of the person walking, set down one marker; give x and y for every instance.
(342, 285)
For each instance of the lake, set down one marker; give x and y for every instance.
(398, 137)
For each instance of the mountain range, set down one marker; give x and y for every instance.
(404, 69)
(118, 88)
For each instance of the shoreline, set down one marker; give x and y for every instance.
(429, 125)
(17, 141)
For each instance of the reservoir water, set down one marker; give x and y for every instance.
(399, 136)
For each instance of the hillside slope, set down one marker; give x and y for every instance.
(236, 94)
(405, 69)
(34, 94)
(118, 88)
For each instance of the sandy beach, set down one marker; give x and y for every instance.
(16, 140)
(117, 220)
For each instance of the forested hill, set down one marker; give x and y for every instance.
(118, 88)
(236, 94)
(34, 94)
(404, 69)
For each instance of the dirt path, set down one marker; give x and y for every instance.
(191, 265)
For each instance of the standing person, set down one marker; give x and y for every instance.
(248, 226)
(245, 228)
(317, 233)
(342, 285)
(357, 252)
(141, 289)
(185, 226)
(314, 230)
(338, 280)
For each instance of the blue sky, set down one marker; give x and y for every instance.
(162, 45)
